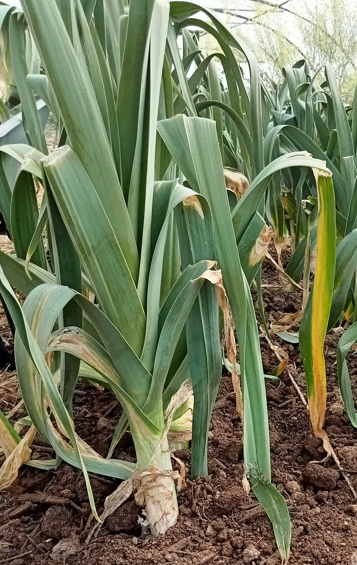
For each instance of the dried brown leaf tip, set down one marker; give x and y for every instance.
(236, 181)
(261, 246)
(195, 203)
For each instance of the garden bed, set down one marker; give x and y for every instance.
(46, 515)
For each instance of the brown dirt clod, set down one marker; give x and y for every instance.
(320, 477)
(58, 522)
(125, 519)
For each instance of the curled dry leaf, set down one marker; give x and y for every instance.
(152, 489)
(117, 498)
(181, 428)
(182, 471)
(89, 294)
(182, 395)
(21, 454)
(236, 181)
(320, 172)
(261, 246)
(246, 484)
(280, 368)
(15, 409)
(280, 353)
(7, 442)
(155, 492)
(287, 323)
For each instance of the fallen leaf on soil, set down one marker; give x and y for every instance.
(67, 546)
(206, 558)
(179, 545)
(43, 498)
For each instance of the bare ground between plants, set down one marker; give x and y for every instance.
(45, 516)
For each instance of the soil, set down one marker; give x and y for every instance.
(45, 517)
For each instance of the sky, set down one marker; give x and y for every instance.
(245, 7)
(206, 3)
(12, 3)
(225, 3)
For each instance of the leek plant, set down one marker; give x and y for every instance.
(313, 117)
(307, 116)
(111, 231)
(121, 227)
(137, 212)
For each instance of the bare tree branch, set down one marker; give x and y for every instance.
(281, 7)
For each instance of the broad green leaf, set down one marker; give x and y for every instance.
(43, 307)
(191, 140)
(202, 330)
(169, 336)
(133, 72)
(83, 123)
(16, 272)
(32, 360)
(43, 89)
(38, 233)
(275, 507)
(68, 271)
(94, 239)
(143, 172)
(24, 217)
(249, 203)
(31, 120)
(11, 157)
(27, 156)
(124, 358)
(177, 193)
(83, 346)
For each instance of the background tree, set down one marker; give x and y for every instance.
(282, 32)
